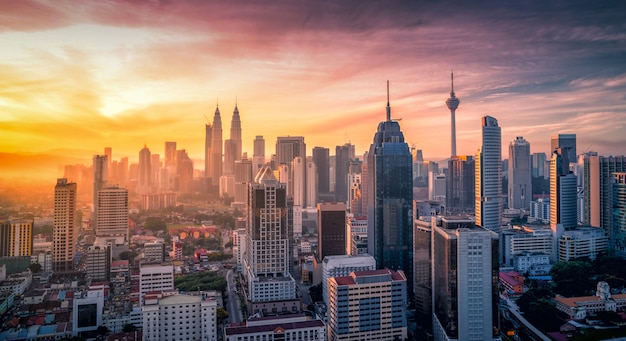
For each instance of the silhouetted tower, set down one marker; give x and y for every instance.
(452, 104)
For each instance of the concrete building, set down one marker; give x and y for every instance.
(287, 149)
(538, 165)
(460, 185)
(338, 266)
(158, 201)
(579, 307)
(291, 327)
(321, 160)
(112, 211)
(87, 312)
(582, 242)
(311, 183)
(98, 262)
(618, 214)
(437, 187)
(332, 234)
(343, 155)
(597, 176)
(64, 230)
(367, 305)
(258, 155)
(155, 277)
(357, 237)
(522, 239)
(154, 253)
(180, 317)
(488, 175)
(562, 192)
(565, 142)
(422, 269)
(539, 211)
(243, 176)
(520, 174)
(465, 281)
(16, 238)
(100, 178)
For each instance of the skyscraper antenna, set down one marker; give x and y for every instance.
(388, 107)
(452, 79)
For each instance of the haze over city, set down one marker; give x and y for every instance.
(77, 77)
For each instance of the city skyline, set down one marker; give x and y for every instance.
(81, 77)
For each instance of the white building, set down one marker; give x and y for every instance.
(295, 327)
(488, 175)
(539, 211)
(87, 311)
(180, 317)
(533, 263)
(338, 266)
(437, 187)
(367, 305)
(582, 242)
(521, 239)
(155, 277)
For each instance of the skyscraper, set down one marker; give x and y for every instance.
(266, 258)
(343, 155)
(460, 184)
(320, 158)
(235, 133)
(597, 176)
(565, 141)
(453, 104)
(465, 281)
(208, 139)
(618, 214)
(288, 148)
(311, 182)
(64, 231)
(215, 163)
(538, 163)
(562, 191)
(144, 181)
(100, 177)
(112, 208)
(16, 238)
(488, 173)
(390, 195)
(258, 157)
(331, 230)
(243, 177)
(520, 177)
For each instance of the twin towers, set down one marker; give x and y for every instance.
(214, 167)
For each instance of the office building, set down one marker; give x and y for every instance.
(390, 198)
(64, 230)
(488, 176)
(343, 265)
(208, 139)
(184, 172)
(524, 239)
(539, 211)
(562, 191)
(232, 146)
(321, 159)
(243, 177)
(357, 238)
(16, 238)
(100, 177)
(266, 259)
(421, 267)
(343, 155)
(155, 278)
(367, 305)
(465, 281)
(215, 159)
(583, 242)
(287, 149)
(460, 184)
(311, 183)
(258, 156)
(452, 103)
(87, 311)
(290, 327)
(298, 178)
(520, 178)
(331, 229)
(112, 210)
(158, 201)
(437, 187)
(538, 165)
(154, 252)
(98, 262)
(180, 317)
(618, 214)
(597, 176)
(565, 142)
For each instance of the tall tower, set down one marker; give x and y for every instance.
(520, 174)
(208, 139)
(562, 191)
(266, 258)
(258, 157)
(597, 176)
(463, 266)
(390, 197)
(565, 141)
(343, 155)
(16, 238)
(170, 165)
(112, 212)
(144, 182)
(64, 231)
(100, 176)
(618, 214)
(235, 133)
(287, 149)
(216, 148)
(452, 104)
(488, 173)
(460, 184)
(321, 159)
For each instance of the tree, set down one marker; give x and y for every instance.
(316, 293)
(35, 267)
(129, 328)
(155, 224)
(572, 278)
(102, 330)
(222, 314)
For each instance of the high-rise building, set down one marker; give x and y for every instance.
(460, 184)
(343, 155)
(437, 187)
(618, 214)
(215, 163)
(597, 176)
(422, 286)
(208, 139)
(184, 170)
(488, 176)
(520, 177)
(355, 188)
(98, 262)
(155, 168)
(331, 229)
(266, 258)
(390, 198)
(229, 157)
(144, 181)
(100, 177)
(258, 157)
(565, 142)
(452, 103)
(16, 238)
(368, 305)
(243, 177)
(287, 149)
(562, 191)
(321, 160)
(112, 209)
(154, 253)
(155, 277)
(180, 317)
(311, 183)
(538, 165)
(235, 133)
(465, 281)
(64, 231)
(343, 265)
(298, 177)
(170, 156)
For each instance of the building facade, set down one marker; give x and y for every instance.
(332, 234)
(339, 266)
(460, 185)
(488, 176)
(520, 174)
(64, 230)
(180, 317)
(16, 238)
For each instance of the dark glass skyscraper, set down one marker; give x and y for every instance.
(389, 211)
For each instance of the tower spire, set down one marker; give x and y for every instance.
(453, 104)
(388, 107)
(452, 80)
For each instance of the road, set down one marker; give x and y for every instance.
(233, 306)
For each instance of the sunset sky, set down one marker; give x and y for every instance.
(77, 76)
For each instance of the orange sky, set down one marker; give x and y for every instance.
(76, 77)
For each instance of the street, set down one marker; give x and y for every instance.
(233, 306)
